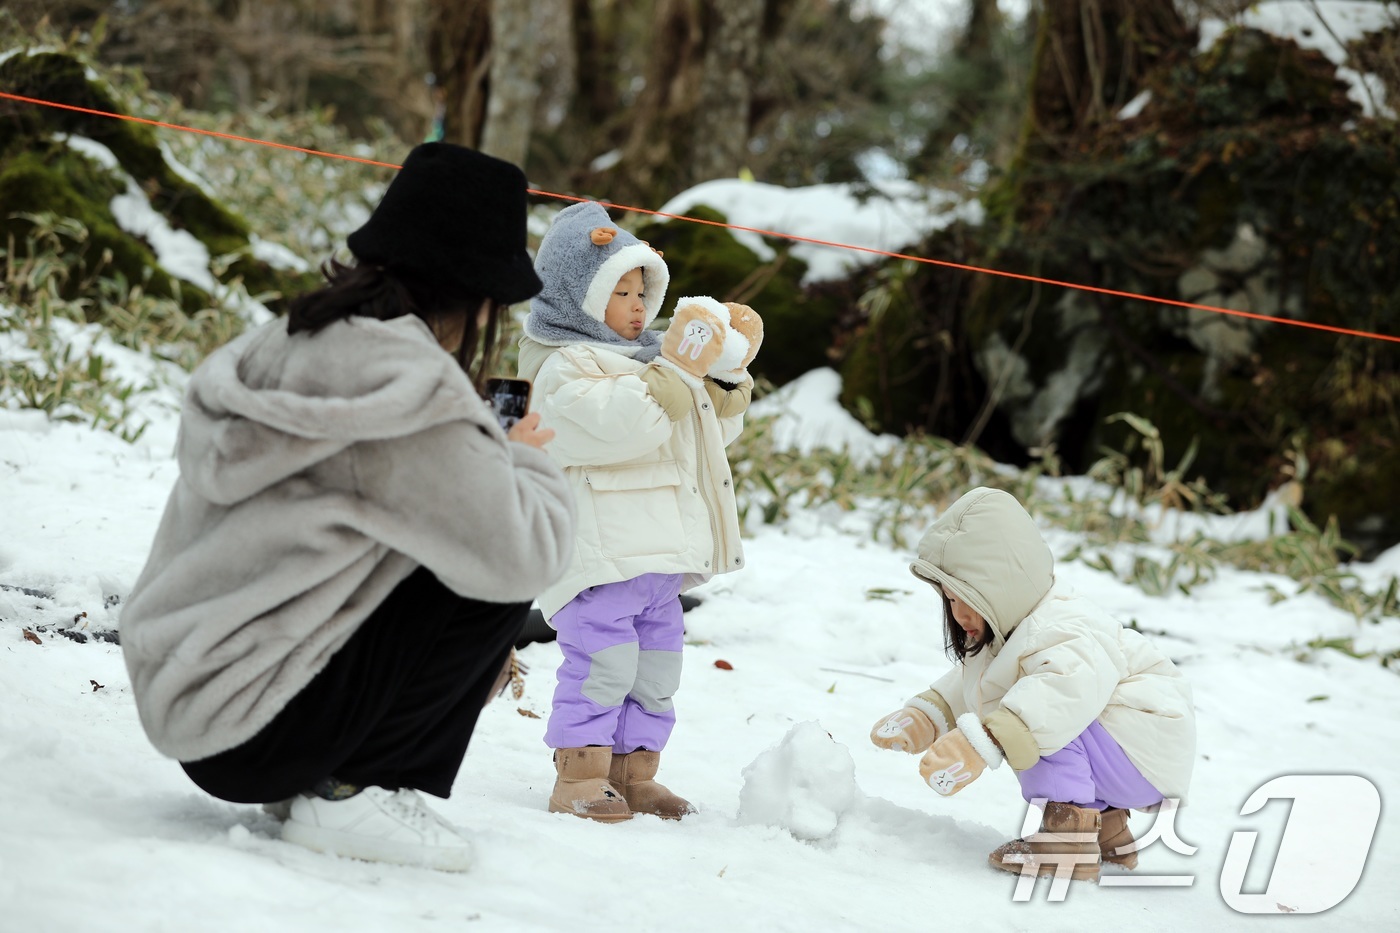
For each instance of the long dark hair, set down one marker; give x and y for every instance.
(376, 292)
(956, 642)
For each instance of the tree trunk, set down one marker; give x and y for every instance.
(650, 163)
(408, 107)
(595, 94)
(1090, 57)
(558, 65)
(721, 132)
(514, 81)
(459, 51)
(977, 105)
(691, 120)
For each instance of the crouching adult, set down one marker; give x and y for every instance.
(353, 543)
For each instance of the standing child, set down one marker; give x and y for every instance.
(1091, 716)
(641, 424)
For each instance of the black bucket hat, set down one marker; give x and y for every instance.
(453, 217)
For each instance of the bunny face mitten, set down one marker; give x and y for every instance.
(741, 343)
(695, 337)
(905, 730)
(959, 757)
(709, 338)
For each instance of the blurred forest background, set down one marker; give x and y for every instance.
(638, 100)
(1105, 144)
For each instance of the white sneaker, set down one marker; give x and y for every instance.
(379, 825)
(279, 809)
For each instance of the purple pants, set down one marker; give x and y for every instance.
(622, 662)
(1091, 771)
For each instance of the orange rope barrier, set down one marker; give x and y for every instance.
(1009, 275)
(1272, 319)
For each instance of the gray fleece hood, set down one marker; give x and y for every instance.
(256, 412)
(987, 551)
(580, 260)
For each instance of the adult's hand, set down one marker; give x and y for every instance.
(528, 431)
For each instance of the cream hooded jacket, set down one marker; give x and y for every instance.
(654, 496)
(316, 473)
(1056, 662)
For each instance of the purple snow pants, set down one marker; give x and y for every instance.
(622, 662)
(1091, 771)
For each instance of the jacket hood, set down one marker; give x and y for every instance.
(987, 551)
(268, 405)
(580, 260)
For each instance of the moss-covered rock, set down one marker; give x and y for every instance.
(706, 260)
(63, 182)
(38, 173)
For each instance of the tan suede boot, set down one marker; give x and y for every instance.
(1068, 836)
(633, 774)
(1114, 835)
(582, 787)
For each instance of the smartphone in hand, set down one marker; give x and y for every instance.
(509, 398)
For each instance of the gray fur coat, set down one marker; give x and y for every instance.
(316, 473)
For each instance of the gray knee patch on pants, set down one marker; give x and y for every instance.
(611, 672)
(658, 676)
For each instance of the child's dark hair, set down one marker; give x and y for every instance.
(374, 291)
(956, 642)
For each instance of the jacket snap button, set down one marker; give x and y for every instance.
(707, 563)
(693, 489)
(705, 405)
(726, 482)
(738, 560)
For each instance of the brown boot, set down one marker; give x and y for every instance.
(582, 787)
(1113, 836)
(1068, 836)
(633, 774)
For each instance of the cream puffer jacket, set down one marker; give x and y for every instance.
(654, 496)
(1056, 662)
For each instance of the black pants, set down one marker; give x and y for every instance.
(395, 707)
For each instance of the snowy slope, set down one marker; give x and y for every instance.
(825, 632)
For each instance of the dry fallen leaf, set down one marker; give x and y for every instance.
(724, 665)
(96, 686)
(30, 636)
(525, 712)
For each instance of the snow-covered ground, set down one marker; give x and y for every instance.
(803, 824)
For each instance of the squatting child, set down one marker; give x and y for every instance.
(1091, 716)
